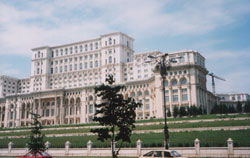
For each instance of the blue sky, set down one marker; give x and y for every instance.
(218, 29)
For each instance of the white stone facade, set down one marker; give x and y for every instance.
(62, 81)
(233, 98)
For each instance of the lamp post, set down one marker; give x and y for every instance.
(163, 65)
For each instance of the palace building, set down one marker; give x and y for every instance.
(62, 81)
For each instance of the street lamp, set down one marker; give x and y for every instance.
(163, 64)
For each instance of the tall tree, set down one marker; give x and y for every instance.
(247, 107)
(239, 107)
(169, 113)
(115, 113)
(183, 111)
(176, 111)
(36, 142)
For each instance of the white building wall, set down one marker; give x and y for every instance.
(63, 77)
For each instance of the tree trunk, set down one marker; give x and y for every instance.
(112, 143)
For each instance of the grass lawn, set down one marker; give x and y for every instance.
(177, 139)
(146, 127)
(70, 157)
(214, 116)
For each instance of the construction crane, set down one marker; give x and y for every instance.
(213, 83)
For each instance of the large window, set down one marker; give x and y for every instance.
(91, 46)
(66, 51)
(110, 59)
(70, 67)
(86, 47)
(60, 68)
(166, 99)
(175, 98)
(96, 45)
(174, 82)
(96, 63)
(80, 48)
(91, 108)
(91, 64)
(71, 50)
(75, 67)
(52, 112)
(133, 94)
(47, 112)
(139, 93)
(184, 90)
(65, 68)
(183, 81)
(166, 83)
(184, 97)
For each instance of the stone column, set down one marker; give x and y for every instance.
(170, 95)
(89, 146)
(143, 104)
(40, 107)
(151, 102)
(189, 95)
(83, 112)
(61, 111)
(74, 111)
(67, 146)
(230, 147)
(18, 111)
(10, 146)
(47, 145)
(197, 146)
(55, 111)
(6, 117)
(87, 112)
(139, 144)
(179, 95)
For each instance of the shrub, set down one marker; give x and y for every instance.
(183, 112)
(169, 113)
(176, 111)
(239, 107)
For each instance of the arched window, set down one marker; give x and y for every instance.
(146, 93)
(91, 98)
(174, 82)
(133, 94)
(184, 81)
(166, 83)
(110, 59)
(139, 93)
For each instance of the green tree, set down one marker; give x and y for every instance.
(247, 107)
(176, 111)
(169, 113)
(115, 113)
(204, 111)
(215, 109)
(239, 107)
(36, 142)
(200, 110)
(183, 111)
(231, 109)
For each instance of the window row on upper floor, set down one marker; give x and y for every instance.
(75, 67)
(74, 49)
(75, 59)
(175, 82)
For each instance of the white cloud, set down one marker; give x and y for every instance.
(232, 66)
(7, 69)
(58, 22)
(236, 82)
